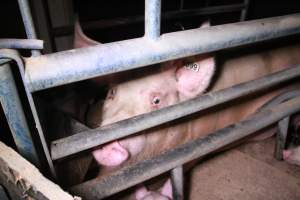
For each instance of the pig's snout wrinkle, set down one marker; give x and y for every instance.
(111, 155)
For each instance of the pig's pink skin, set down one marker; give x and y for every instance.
(142, 193)
(111, 155)
(292, 156)
(173, 84)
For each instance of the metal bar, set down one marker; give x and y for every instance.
(13, 55)
(108, 23)
(152, 19)
(144, 170)
(177, 182)
(15, 115)
(28, 23)
(281, 135)
(88, 139)
(245, 10)
(3, 193)
(74, 65)
(21, 44)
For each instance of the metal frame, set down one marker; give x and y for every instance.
(144, 170)
(46, 71)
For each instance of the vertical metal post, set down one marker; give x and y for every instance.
(152, 18)
(283, 126)
(28, 23)
(245, 10)
(13, 55)
(15, 116)
(177, 182)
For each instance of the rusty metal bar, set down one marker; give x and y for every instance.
(144, 170)
(28, 23)
(152, 19)
(21, 44)
(74, 65)
(184, 13)
(88, 139)
(13, 110)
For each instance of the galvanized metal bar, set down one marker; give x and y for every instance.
(144, 170)
(283, 126)
(245, 10)
(13, 55)
(88, 139)
(21, 44)
(152, 19)
(177, 181)
(108, 23)
(28, 23)
(74, 65)
(15, 116)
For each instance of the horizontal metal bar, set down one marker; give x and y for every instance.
(74, 65)
(109, 23)
(152, 19)
(144, 170)
(28, 22)
(88, 139)
(21, 44)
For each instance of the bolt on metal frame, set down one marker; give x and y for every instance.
(51, 70)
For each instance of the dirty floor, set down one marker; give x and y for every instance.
(248, 172)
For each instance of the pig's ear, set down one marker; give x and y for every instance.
(194, 77)
(80, 39)
(166, 190)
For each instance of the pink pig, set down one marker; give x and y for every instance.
(174, 82)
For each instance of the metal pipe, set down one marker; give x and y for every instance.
(88, 139)
(281, 136)
(108, 23)
(152, 19)
(74, 65)
(13, 55)
(144, 170)
(21, 44)
(245, 10)
(28, 23)
(15, 115)
(177, 183)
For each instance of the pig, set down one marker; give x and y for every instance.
(165, 193)
(174, 82)
(292, 156)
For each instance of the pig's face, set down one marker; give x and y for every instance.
(175, 81)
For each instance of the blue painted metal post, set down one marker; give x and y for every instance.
(152, 18)
(15, 116)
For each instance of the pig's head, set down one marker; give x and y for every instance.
(175, 81)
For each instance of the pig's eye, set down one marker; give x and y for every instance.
(156, 101)
(111, 93)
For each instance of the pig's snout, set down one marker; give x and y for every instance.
(112, 154)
